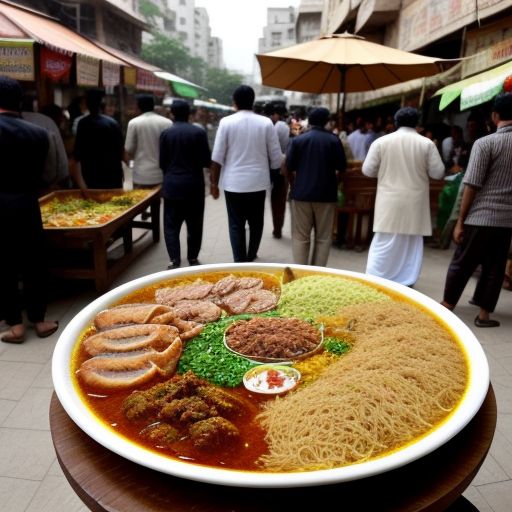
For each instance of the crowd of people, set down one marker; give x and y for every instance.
(253, 153)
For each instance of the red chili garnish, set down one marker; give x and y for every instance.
(274, 379)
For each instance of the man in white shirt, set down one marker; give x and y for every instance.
(358, 141)
(402, 162)
(143, 143)
(246, 148)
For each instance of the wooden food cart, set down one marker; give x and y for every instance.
(92, 251)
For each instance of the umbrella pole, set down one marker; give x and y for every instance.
(343, 75)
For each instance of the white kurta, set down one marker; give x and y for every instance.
(396, 257)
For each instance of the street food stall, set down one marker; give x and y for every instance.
(84, 235)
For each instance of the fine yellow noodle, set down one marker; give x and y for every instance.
(403, 376)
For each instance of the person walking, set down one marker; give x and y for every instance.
(184, 152)
(402, 162)
(312, 163)
(279, 191)
(142, 143)
(99, 148)
(484, 227)
(245, 149)
(23, 149)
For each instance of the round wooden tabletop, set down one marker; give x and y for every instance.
(108, 482)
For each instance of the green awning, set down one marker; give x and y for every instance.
(476, 89)
(180, 86)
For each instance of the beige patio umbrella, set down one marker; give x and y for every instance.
(343, 63)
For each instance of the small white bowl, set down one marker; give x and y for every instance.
(256, 379)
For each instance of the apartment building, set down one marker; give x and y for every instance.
(280, 29)
(116, 23)
(215, 53)
(309, 20)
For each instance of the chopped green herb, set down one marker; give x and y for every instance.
(336, 346)
(209, 359)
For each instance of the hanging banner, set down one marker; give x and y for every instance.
(147, 81)
(110, 74)
(130, 77)
(87, 70)
(17, 59)
(55, 65)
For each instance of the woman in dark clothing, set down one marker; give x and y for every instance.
(24, 148)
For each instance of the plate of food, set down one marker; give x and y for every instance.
(271, 379)
(144, 370)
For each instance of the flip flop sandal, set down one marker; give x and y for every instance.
(486, 323)
(47, 332)
(10, 337)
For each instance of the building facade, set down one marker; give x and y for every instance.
(215, 53)
(280, 29)
(309, 20)
(116, 23)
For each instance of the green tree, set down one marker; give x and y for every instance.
(221, 83)
(150, 11)
(168, 54)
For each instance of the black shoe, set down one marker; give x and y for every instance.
(277, 234)
(472, 302)
(486, 323)
(173, 264)
(194, 262)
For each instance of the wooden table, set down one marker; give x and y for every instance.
(105, 481)
(86, 252)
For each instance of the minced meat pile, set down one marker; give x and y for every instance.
(273, 337)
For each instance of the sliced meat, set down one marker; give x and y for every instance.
(262, 300)
(122, 370)
(224, 286)
(249, 301)
(129, 338)
(186, 328)
(200, 311)
(126, 314)
(245, 283)
(195, 291)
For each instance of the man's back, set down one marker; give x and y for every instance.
(184, 152)
(315, 156)
(99, 148)
(142, 142)
(23, 147)
(245, 146)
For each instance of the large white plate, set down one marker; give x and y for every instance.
(81, 415)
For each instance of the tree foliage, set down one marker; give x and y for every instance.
(172, 55)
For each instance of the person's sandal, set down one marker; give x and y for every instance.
(47, 332)
(486, 323)
(10, 337)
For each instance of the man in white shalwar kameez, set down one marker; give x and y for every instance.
(402, 162)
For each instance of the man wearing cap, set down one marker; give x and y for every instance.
(313, 163)
(402, 162)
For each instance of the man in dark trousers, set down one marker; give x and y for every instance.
(184, 152)
(23, 152)
(99, 148)
(313, 162)
(484, 228)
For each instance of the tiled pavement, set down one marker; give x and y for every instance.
(30, 476)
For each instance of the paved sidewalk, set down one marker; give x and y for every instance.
(30, 476)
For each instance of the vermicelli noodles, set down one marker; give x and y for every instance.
(403, 376)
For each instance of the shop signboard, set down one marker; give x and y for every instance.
(87, 70)
(55, 65)
(147, 81)
(130, 77)
(17, 59)
(110, 74)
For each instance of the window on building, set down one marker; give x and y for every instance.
(183, 36)
(183, 21)
(276, 38)
(291, 33)
(183, 2)
(169, 25)
(80, 17)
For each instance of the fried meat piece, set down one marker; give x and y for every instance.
(213, 432)
(126, 314)
(249, 301)
(225, 403)
(224, 286)
(161, 433)
(187, 410)
(246, 283)
(138, 406)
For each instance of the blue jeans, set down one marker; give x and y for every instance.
(245, 207)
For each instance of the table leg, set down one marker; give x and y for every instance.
(100, 264)
(155, 219)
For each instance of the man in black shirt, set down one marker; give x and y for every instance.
(23, 152)
(312, 162)
(99, 148)
(184, 152)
